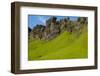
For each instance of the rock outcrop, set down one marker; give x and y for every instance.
(54, 27)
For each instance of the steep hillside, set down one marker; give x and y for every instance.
(64, 46)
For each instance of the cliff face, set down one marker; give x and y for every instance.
(53, 28)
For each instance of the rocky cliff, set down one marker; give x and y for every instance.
(54, 27)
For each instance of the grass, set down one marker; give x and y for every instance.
(64, 46)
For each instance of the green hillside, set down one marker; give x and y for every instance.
(64, 46)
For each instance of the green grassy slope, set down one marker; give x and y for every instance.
(64, 46)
